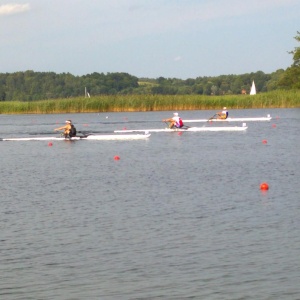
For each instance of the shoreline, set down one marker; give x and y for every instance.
(144, 103)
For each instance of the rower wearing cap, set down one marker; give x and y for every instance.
(175, 121)
(223, 114)
(69, 129)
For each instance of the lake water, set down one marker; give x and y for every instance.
(177, 217)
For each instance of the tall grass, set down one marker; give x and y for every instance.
(274, 99)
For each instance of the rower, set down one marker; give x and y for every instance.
(223, 114)
(69, 129)
(175, 121)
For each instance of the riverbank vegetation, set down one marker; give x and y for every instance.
(126, 103)
(48, 92)
(33, 86)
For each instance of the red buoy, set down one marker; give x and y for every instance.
(274, 125)
(264, 141)
(50, 144)
(264, 186)
(117, 157)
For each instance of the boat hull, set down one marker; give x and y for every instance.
(89, 138)
(190, 129)
(259, 119)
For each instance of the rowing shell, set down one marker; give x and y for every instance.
(190, 129)
(90, 137)
(267, 118)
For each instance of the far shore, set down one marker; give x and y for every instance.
(142, 103)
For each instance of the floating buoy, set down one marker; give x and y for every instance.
(179, 133)
(124, 128)
(264, 186)
(274, 125)
(264, 141)
(117, 157)
(50, 144)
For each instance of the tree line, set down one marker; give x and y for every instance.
(31, 86)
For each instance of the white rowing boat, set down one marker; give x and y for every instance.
(189, 129)
(104, 137)
(267, 118)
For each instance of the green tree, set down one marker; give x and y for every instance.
(198, 89)
(207, 88)
(2, 94)
(214, 90)
(291, 77)
(272, 83)
(237, 85)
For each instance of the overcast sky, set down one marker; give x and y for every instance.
(148, 38)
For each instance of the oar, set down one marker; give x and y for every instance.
(212, 117)
(167, 123)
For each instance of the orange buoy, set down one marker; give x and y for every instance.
(264, 186)
(117, 157)
(50, 144)
(264, 141)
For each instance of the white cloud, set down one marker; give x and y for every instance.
(10, 9)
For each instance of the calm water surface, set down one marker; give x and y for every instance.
(177, 217)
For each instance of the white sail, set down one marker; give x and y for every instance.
(253, 89)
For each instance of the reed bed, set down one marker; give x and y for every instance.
(125, 103)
